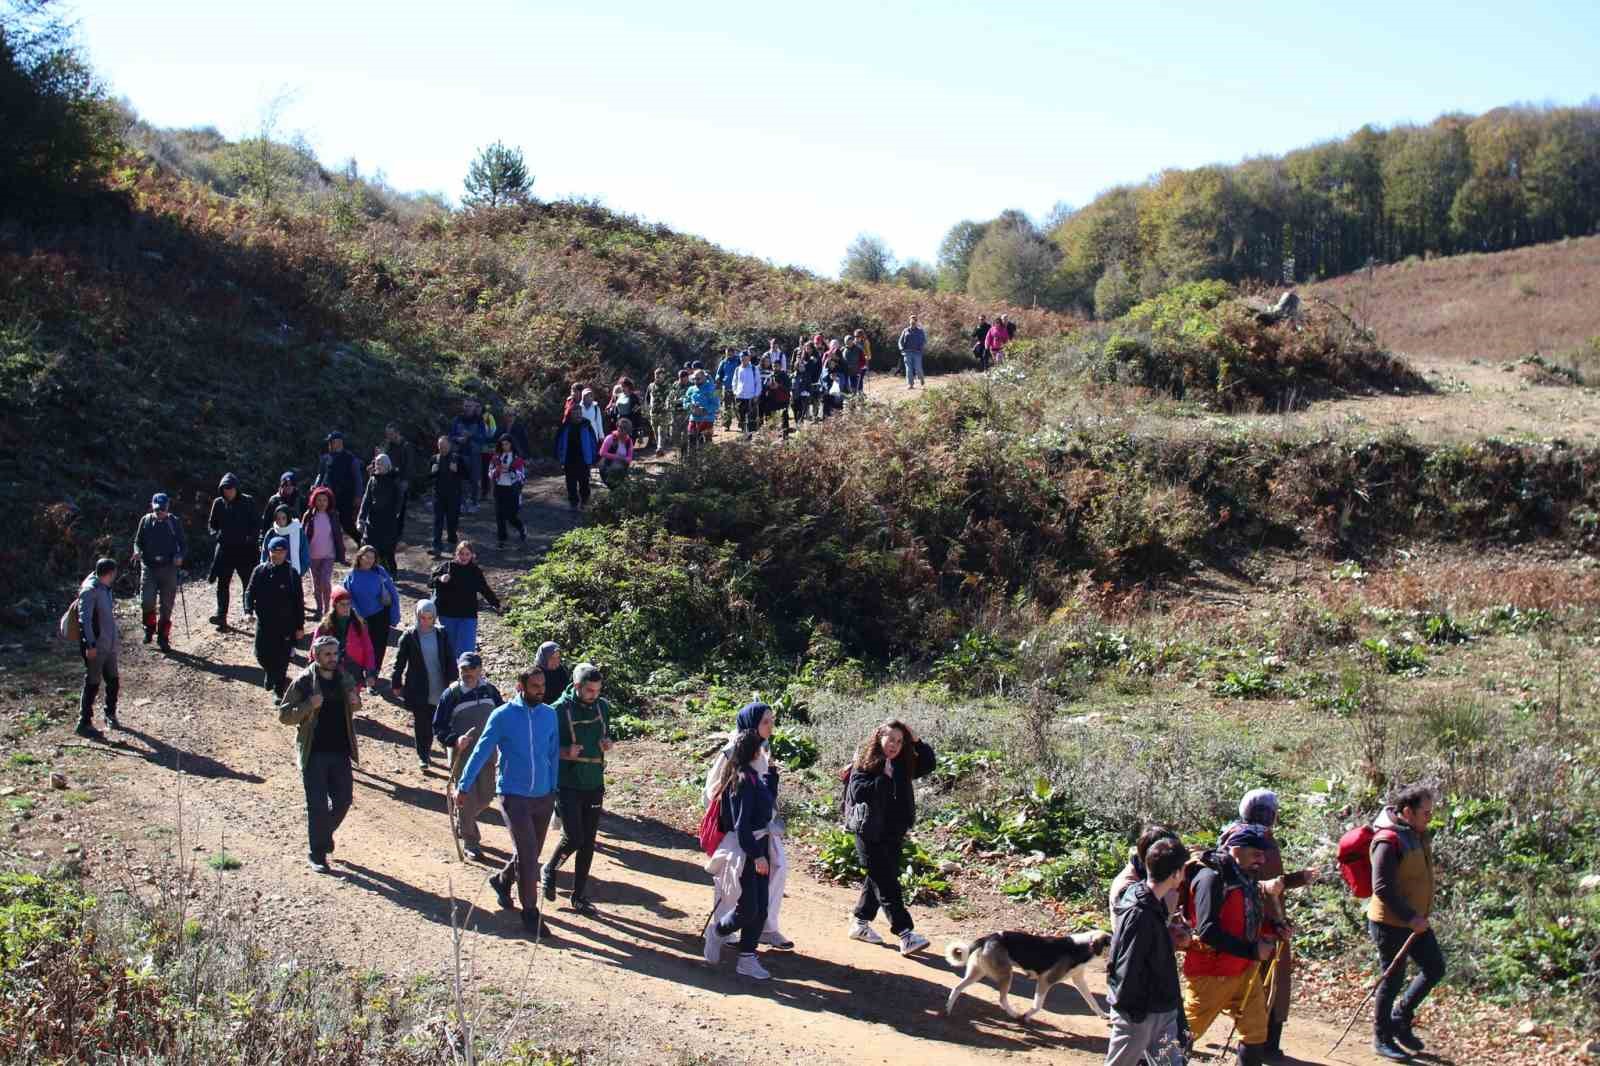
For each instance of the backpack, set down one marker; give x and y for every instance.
(853, 816)
(715, 823)
(1355, 857)
(70, 628)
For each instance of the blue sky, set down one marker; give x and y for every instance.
(784, 130)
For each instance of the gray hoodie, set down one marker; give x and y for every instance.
(97, 615)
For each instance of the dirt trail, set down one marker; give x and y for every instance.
(629, 984)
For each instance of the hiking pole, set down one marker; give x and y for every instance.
(184, 601)
(1248, 992)
(1399, 960)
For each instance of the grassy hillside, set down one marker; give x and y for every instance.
(1541, 300)
(188, 333)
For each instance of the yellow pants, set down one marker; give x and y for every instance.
(1242, 998)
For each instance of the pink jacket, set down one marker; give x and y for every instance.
(617, 448)
(996, 338)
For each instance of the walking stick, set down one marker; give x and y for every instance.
(1277, 952)
(184, 602)
(450, 807)
(1399, 960)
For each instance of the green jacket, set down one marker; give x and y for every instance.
(585, 724)
(295, 709)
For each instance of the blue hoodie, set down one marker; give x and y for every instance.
(366, 593)
(726, 369)
(529, 752)
(706, 396)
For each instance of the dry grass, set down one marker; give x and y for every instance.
(1544, 298)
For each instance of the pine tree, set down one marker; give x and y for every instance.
(498, 177)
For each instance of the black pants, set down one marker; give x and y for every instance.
(231, 560)
(881, 859)
(386, 556)
(422, 729)
(750, 415)
(102, 671)
(577, 483)
(580, 824)
(1425, 952)
(274, 645)
(405, 508)
(507, 500)
(751, 917)
(347, 514)
(329, 789)
(446, 516)
(378, 630)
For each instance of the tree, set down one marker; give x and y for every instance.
(955, 254)
(915, 274)
(498, 177)
(1013, 264)
(867, 259)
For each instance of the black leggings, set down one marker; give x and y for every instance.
(881, 858)
(507, 498)
(422, 729)
(751, 916)
(580, 824)
(577, 483)
(378, 630)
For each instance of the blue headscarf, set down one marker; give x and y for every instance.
(750, 716)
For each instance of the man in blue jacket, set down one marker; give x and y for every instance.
(725, 374)
(524, 733)
(342, 472)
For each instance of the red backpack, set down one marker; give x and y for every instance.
(1355, 857)
(711, 831)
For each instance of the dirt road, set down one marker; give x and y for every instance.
(629, 985)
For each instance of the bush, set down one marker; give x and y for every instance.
(920, 877)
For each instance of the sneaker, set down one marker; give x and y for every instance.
(503, 894)
(111, 720)
(860, 930)
(474, 852)
(911, 941)
(584, 907)
(534, 925)
(1384, 1047)
(773, 938)
(750, 966)
(1401, 1033)
(88, 731)
(422, 767)
(547, 883)
(714, 942)
(319, 863)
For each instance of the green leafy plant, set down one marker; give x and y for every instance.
(795, 750)
(1396, 658)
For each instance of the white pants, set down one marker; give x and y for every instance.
(727, 865)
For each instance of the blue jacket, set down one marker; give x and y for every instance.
(591, 447)
(470, 430)
(529, 752)
(750, 809)
(725, 371)
(704, 395)
(912, 339)
(366, 593)
(159, 542)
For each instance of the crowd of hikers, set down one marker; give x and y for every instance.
(542, 752)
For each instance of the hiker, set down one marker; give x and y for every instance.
(521, 737)
(288, 495)
(726, 866)
(912, 341)
(748, 799)
(747, 393)
(807, 393)
(853, 360)
(379, 518)
(1260, 807)
(626, 403)
(1137, 870)
(700, 403)
(450, 474)
(1143, 995)
(507, 472)
(576, 448)
(1011, 327)
(556, 676)
(591, 411)
(159, 548)
(980, 342)
(676, 425)
(455, 586)
(468, 434)
(458, 721)
(881, 780)
(376, 600)
(776, 387)
(585, 737)
(726, 369)
(663, 412)
(833, 388)
(355, 643)
(322, 703)
(98, 644)
(424, 666)
(485, 445)
(1403, 883)
(277, 600)
(995, 341)
(864, 367)
(233, 523)
(325, 545)
(616, 454)
(1232, 940)
(340, 470)
(398, 449)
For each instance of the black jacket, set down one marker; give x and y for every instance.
(379, 518)
(276, 597)
(296, 503)
(399, 453)
(891, 798)
(341, 472)
(234, 524)
(410, 674)
(1142, 970)
(449, 474)
(458, 597)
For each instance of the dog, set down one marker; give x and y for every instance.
(1049, 960)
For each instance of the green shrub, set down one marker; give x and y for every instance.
(794, 750)
(920, 878)
(1396, 657)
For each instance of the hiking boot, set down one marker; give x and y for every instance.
(912, 941)
(87, 730)
(1401, 1033)
(860, 930)
(534, 925)
(582, 905)
(503, 894)
(750, 966)
(111, 719)
(1251, 1054)
(773, 938)
(1272, 1050)
(1384, 1047)
(149, 634)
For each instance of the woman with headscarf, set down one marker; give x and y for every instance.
(726, 865)
(379, 518)
(424, 666)
(556, 676)
(748, 803)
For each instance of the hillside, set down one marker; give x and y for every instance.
(183, 332)
(1544, 299)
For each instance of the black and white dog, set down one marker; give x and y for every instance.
(1049, 960)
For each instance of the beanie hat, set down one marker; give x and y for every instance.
(159, 500)
(287, 477)
(335, 435)
(426, 607)
(341, 593)
(278, 544)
